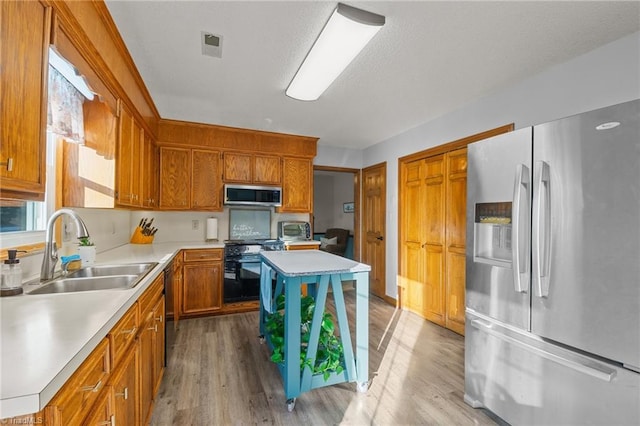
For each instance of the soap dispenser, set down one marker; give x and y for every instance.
(11, 275)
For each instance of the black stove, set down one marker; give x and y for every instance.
(242, 265)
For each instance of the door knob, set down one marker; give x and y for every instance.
(380, 238)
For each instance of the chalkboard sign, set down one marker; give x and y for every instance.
(249, 224)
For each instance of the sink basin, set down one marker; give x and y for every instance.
(68, 285)
(99, 277)
(139, 269)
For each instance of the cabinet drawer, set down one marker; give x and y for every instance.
(149, 297)
(74, 401)
(202, 255)
(123, 334)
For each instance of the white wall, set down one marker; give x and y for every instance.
(602, 77)
(338, 157)
(330, 192)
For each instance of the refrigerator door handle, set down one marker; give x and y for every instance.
(542, 229)
(520, 237)
(592, 369)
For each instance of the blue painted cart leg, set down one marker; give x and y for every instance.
(362, 330)
(343, 324)
(316, 324)
(292, 337)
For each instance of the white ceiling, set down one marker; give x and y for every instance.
(430, 58)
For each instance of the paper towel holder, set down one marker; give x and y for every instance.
(212, 229)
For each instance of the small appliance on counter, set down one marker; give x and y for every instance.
(11, 281)
(294, 231)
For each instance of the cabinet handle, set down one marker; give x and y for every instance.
(110, 422)
(130, 331)
(8, 163)
(94, 388)
(149, 200)
(124, 394)
(159, 318)
(154, 328)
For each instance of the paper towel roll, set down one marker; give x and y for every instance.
(212, 228)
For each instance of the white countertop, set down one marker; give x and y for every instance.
(44, 338)
(311, 262)
(302, 243)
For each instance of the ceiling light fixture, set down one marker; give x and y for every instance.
(346, 33)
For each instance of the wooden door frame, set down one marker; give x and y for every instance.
(437, 150)
(356, 202)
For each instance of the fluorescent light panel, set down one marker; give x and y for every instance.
(346, 33)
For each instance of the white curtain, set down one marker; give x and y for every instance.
(64, 116)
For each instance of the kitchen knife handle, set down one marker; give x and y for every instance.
(542, 225)
(520, 267)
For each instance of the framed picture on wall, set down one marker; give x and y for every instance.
(348, 207)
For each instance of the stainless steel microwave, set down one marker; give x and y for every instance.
(294, 231)
(252, 195)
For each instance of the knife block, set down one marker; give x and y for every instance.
(138, 238)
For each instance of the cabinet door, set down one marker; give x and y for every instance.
(267, 170)
(124, 179)
(175, 172)
(149, 172)
(206, 189)
(297, 185)
(24, 31)
(146, 367)
(124, 388)
(238, 167)
(102, 413)
(202, 287)
(158, 344)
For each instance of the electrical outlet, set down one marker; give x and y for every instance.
(195, 224)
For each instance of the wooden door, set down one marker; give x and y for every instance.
(412, 236)
(297, 185)
(175, 175)
(456, 206)
(202, 287)
(124, 153)
(433, 220)
(374, 181)
(237, 167)
(266, 170)
(146, 367)
(24, 31)
(149, 172)
(158, 344)
(205, 180)
(124, 384)
(135, 164)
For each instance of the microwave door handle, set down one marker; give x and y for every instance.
(520, 242)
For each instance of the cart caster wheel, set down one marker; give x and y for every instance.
(362, 387)
(262, 339)
(291, 404)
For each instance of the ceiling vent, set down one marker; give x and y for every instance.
(211, 44)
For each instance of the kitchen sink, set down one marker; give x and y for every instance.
(100, 277)
(140, 269)
(70, 285)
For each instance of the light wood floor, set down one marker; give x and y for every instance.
(218, 373)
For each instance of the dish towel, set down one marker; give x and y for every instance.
(265, 287)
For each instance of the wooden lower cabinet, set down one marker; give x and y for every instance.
(202, 280)
(117, 383)
(302, 247)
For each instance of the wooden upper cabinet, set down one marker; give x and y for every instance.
(128, 178)
(297, 185)
(24, 30)
(252, 168)
(267, 169)
(206, 186)
(175, 172)
(149, 176)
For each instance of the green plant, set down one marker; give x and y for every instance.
(330, 353)
(85, 242)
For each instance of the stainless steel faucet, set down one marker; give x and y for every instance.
(50, 249)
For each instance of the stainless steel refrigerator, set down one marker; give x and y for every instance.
(553, 271)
